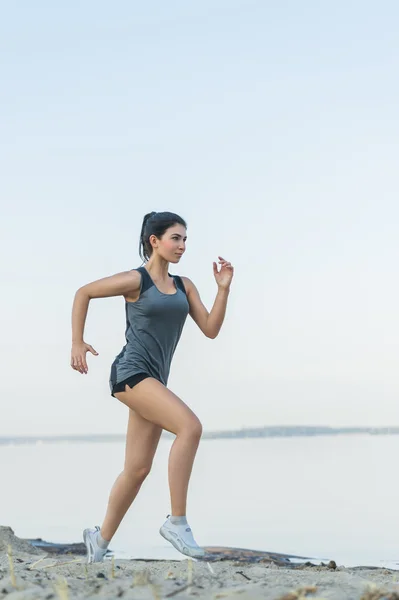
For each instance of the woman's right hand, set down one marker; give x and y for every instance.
(78, 356)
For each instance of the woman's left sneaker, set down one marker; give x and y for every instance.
(181, 537)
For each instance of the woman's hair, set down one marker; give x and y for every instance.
(156, 224)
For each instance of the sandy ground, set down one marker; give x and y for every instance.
(26, 573)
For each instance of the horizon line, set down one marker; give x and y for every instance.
(220, 432)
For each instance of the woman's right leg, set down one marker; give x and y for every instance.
(157, 404)
(141, 443)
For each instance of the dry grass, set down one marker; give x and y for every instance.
(375, 593)
(33, 565)
(300, 593)
(192, 585)
(11, 564)
(61, 587)
(141, 578)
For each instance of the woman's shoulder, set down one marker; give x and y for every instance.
(188, 284)
(186, 279)
(135, 277)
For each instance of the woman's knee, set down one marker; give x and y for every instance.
(138, 473)
(192, 428)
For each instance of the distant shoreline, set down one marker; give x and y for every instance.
(250, 432)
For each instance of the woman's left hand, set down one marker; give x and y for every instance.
(225, 275)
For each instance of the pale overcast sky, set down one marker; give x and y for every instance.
(272, 128)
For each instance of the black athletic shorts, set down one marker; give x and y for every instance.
(130, 381)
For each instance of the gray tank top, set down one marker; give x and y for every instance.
(153, 328)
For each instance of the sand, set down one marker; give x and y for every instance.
(26, 573)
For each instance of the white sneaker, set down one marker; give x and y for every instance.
(94, 552)
(181, 537)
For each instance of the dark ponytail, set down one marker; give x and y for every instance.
(156, 224)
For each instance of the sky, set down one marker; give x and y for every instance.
(272, 128)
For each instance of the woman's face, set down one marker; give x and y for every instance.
(172, 245)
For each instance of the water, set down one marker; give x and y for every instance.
(322, 497)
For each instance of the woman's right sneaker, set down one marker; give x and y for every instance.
(94, 552)
(181, 537)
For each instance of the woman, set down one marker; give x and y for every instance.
(157, 305)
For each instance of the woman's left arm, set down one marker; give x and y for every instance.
(211, 323)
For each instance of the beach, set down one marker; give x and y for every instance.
(321, 498)
(27, 572)
(334, 527)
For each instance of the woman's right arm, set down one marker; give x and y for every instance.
(121, 284)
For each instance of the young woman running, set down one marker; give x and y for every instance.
(157, 305)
